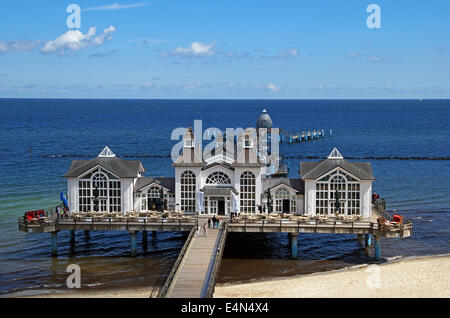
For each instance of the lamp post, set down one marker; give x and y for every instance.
(338, 206)
(161, 200)
(269, 202)
(96, 198)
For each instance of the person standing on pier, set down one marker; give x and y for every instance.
(205, 230)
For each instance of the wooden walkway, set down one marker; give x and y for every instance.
(189, 279)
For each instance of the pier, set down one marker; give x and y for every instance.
(195, 271)
(302, 136)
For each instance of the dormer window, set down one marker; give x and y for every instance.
(189, 143)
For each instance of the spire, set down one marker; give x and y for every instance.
(106, 153)
(335, 154)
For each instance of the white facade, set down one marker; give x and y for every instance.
(99, 185)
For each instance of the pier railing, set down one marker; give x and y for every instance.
(379, 205)
(318, 226)
(165, 288)
(94, 221)
(213, 269)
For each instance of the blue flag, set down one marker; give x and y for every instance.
(64, 200)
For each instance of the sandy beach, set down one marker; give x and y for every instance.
(424, 277)
(420, 277)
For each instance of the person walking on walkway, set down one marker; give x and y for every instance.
(197, 232)
(209, 223)
(205, 230)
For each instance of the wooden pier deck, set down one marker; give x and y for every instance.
(192, 273)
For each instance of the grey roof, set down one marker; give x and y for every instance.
(168, 183)
(296, 184)
(314, 170)
(215, 190)
(223, 164)
(264, 120)
(121, 168)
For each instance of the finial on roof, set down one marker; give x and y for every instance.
(106, 153)
(335, 154)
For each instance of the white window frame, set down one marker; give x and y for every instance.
(218, 178)
(247, 193)
(188, 191)
(349, 190)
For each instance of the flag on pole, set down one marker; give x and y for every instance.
(236, 206)
(201, 201)
(64, 200)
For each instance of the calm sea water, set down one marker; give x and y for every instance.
(419, 189)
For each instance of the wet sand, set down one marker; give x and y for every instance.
(424, 277)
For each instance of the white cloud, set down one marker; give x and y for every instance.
(375, 59)
(352, 55)
(272, 87)
(283, 54)
(117, 6)
(292, 52)
(18, 45)
(195, 49)
(74, 40)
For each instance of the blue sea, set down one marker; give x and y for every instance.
(40, 137)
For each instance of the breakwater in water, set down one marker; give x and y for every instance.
(285, 157)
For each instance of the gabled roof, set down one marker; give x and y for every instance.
(168, 183)
(222, 164)
(314, 170)
(211, 190)
(296, 184)
(108, 161)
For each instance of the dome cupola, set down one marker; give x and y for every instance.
(264, 120)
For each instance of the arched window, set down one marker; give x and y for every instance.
(282, 193)
(345, 187)
(109, 192)
(153, 192)
(247, 192)
(218, 177)
(338, 185)
(188, 182)
(100, 181)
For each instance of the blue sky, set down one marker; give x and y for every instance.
(225, 49)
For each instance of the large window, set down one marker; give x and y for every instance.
(143, 202)
(280, 195)
(321, 198)
(247, 192)
(84, 195)
(109, 192)
(153, 192)
(341, 187)
(114, 196)
(218, 178)
(353, 201)
(188, 181)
